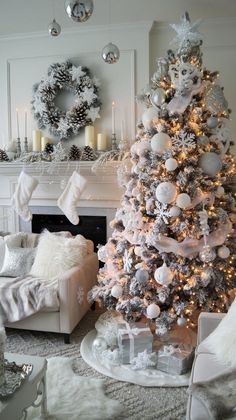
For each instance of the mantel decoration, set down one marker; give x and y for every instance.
(75, 79)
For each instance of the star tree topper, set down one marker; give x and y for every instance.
(187, 31)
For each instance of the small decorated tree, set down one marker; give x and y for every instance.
(171, 252)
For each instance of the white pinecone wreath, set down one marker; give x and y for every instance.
(84, 111)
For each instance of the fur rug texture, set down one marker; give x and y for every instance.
(140, 403)
(218, 395)
(70, 396)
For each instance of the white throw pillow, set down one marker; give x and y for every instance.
(222, 341)
(57, 254)
(17, 262)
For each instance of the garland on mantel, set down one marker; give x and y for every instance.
(76, 80)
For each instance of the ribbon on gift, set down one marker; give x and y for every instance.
(170, 350)
(131, 333)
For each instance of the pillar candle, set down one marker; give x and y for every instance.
(17, 124)
(36, 141)
(113, 118)
(101, 141)
(44, 141)
(89, 136)
(25, 123)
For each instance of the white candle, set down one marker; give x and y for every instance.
(44, 141)
(36, 141)
(113, 117)
(122, 137)
(25, 123)
(17, 124)
(101, 141)
(89, 136)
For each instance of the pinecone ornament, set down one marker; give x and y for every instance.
(74, 153)
(88, 153)
(78, 116)
(3, 155)
(49, 148)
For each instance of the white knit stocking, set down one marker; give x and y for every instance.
(69, 199)
(24, 190)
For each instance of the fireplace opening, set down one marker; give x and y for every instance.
(91, 227)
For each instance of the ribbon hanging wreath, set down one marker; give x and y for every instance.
(85, 110)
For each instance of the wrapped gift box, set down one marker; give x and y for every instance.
(175, 359)
(2, 345)
(133, 338)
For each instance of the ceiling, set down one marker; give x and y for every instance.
(23, 16)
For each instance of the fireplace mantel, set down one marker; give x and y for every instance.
(102, 190)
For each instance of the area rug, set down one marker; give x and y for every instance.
(139, 403)
(69, 395)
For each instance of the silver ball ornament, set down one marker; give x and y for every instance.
(99, 344)
(149, 116)
(163, 275)
(174, 211)
(110, 53)
(171, 164)
(203, 140)
(142, 276)
(157, 97)
(79, 10)
(223, 252)
(210, 163)
(117, 291)
(183, 200)
(153, 311)
(181, 322)
(212, 122)
(207, 254)
(54, 28)
(220, 191)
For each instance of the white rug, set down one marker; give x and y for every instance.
(74, 397)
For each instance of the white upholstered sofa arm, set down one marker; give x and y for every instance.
(77, 280)
(207, 322)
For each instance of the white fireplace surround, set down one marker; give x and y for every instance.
(101, 196)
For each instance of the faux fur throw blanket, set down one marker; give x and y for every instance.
(24, 296)
(218, 395)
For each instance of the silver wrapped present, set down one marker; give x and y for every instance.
(133, 338)
(175, 359)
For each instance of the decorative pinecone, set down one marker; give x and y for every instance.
(3, 155)
(49, 148)
(78, 116)
(88, 153)
(74, 153)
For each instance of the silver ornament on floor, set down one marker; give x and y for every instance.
(54, 28)
(181, 321)
(79, 10)
(207, 254)
(99, 344)
(110, 53)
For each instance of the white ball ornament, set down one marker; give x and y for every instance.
(149, 116)
(99, 344)
(142, 276)
(153, 311)
(210, 163)
(160, 143)
(183, 200)
(117, 291)
(174, 211)
(143, 147)
(223, 252)
(171, 164)
(181, 321)
(163, 275)
(212, 122)
(220, 191)
(166, 192)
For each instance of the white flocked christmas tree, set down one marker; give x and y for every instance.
(171, 253)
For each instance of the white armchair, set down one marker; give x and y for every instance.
(205, 365)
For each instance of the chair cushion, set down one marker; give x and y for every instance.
(57, 254)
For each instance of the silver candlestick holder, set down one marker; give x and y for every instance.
(18, 147)
(26, 148)
(114, 145)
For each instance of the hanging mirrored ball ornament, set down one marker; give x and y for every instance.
(54, 28)
(110, 53)
(207, 254)
(79, 10)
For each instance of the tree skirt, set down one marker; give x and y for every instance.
(69, 395)
(147, 377)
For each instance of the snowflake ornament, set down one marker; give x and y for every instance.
(93, 113)
(187, 31)
(162, 213)
(144, 360)
(80, 294)
(127, 261)
(88, 95)
(76, 73)
(59, 154)
(184, 140)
